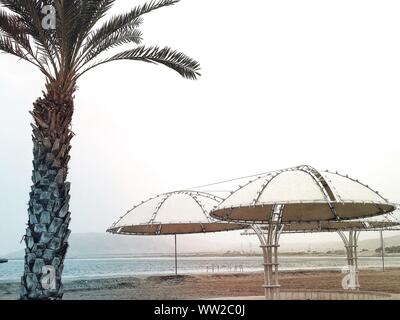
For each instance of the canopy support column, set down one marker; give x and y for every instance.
(176, 257)
(269, 244)
(351, 244)
(383, 252)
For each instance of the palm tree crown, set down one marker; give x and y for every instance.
(79, 40)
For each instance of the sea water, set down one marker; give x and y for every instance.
(145, 266)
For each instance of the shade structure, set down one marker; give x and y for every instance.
(173, 213)
(178, 212)
(296, 195)
(302, 194)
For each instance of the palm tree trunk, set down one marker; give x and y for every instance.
(47, 232)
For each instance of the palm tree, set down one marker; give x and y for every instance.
(76, 45)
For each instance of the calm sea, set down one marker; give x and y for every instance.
(143, 266)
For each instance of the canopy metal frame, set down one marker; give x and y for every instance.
(331, 198)
(152, 227)
(191, 193)
(328, 190)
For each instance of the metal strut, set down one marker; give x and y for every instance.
(176, 258)
(269, 243)
(351, 244)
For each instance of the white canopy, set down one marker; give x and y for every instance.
(177, 212)
(305, 194)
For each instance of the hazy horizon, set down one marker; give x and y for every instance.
(92, 245)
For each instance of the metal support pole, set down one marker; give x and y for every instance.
(176, 258)
(351, 243)
(355, 256)
(383, 252)
(269, 245)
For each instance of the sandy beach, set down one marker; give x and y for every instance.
(212, 285)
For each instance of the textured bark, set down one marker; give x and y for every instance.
(47, 232)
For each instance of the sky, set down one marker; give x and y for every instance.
(283, 83)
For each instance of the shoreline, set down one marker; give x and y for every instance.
(201, 273)
(212, 285)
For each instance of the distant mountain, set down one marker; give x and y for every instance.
(376, 243)
(91, 245)
(370, 244)
(103, 244)
(86, 245)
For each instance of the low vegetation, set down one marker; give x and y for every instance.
(392, 249)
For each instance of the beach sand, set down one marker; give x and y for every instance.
(212, 285)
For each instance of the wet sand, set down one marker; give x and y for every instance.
(212, 285)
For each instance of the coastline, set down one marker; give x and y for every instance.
(212, 285)
(144, 275)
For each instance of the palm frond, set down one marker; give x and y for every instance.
(117, 39)
(66, 32)
(12, 27)
(181, 63)
(124, 21)
(92, 11)
(65, 53)
(28, 14)
(9, 46)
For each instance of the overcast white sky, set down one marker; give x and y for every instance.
(284, 83)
